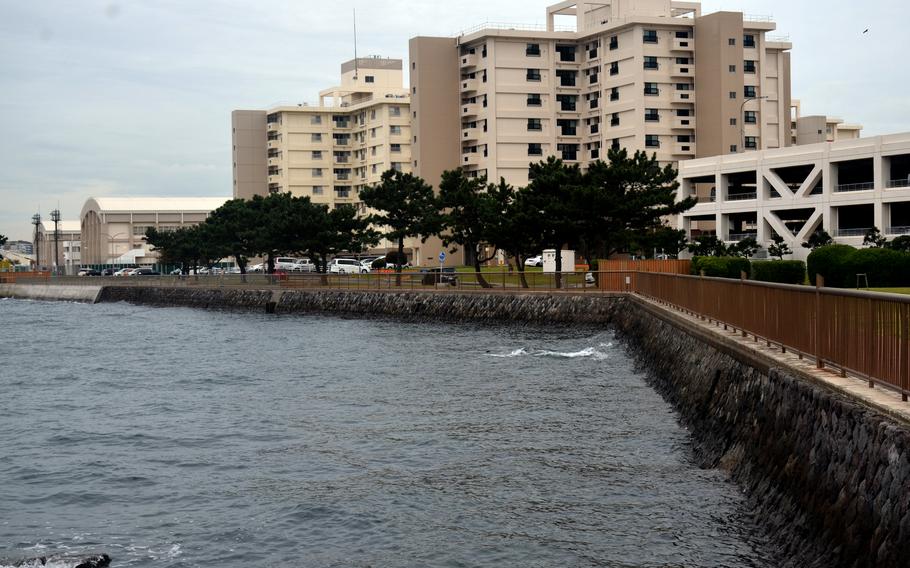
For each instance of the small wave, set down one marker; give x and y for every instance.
(595, 353)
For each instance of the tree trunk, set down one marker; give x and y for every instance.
(398, 266)
(270, 263)
(557, 278)
(520, 264)
(478, 269)
(241, 262)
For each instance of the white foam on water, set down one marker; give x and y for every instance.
(516, 353)
(595, 353)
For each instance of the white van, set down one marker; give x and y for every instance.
(347, 266)
(285, 263)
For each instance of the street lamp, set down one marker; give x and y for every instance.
(111, 241)
(742, 118)
(55, 217)
(36, 221)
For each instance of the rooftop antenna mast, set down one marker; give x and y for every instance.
(356, 69)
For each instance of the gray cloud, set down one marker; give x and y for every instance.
(134, 97)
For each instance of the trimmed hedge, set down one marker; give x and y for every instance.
(840, 264)
(721, 266)
(780, 271)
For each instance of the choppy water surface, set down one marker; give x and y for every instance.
(171, 438)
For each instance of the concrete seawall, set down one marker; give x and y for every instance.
(827, 475)
(87, 294)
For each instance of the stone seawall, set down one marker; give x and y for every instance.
(229, 299)
(51, 293)
(453, 306)
(829, 477)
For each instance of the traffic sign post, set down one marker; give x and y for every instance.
(442, 262)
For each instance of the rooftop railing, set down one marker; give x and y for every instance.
(513, 27)
(896, 183)
(848, 187)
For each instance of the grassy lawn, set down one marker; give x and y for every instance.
(892, 290)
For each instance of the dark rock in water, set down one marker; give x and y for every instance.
(92, 561)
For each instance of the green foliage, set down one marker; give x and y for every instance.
(840, 265)
(708, 245)
(780, 271)
(831, 262)
(472, 215)
(721, 266)
(779, 248)
(663, 240)
(3, 240)
(745, 248)
(874, 238)
(820, 238)
(901, 243)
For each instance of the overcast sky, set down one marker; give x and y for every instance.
(134, 97)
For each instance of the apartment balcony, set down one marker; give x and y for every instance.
(470, 60)
(272, 127)
(683, 70)
(471, 159)
(342, 142)
(686, 122)
(342, 159)
(683, 44)
(897, 231)
(469, 110)
(470, 134)
(737, 237)
(342, 177)
(684, 97)
(274, 144)
(851, 187)
(684, 148)
(898, 183)
(470, 85)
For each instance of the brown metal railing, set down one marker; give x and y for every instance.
(14, 277)
(865, 334)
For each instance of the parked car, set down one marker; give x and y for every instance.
(346, 266)
(432, 276)
(257, 268)
(124, 272)
(285, 263)
(536, 261)
(108, 272)
(303, 265)
(145, 272)
(589, 279)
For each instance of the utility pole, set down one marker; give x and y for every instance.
(55, 217)
(36, 221)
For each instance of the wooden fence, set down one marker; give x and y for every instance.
(659, 266)
(864, 333)
(32, 277)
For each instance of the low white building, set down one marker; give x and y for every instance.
(844, 187)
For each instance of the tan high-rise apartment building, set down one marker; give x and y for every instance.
(819, 128)
(652, 75)
(328, 151)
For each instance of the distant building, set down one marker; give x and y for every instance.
(329, 151)
(652, 75)
(66, 245)
(113, 228)
(815, 129)
(21, 247)
(844, 187)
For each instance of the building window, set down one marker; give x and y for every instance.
(731, 41)
(533, 50)
(317, 154)
(316, 119)
(683, 87)
(395, 130)
(650, 36)
(749, 66)
(684, 138)
(650, 62)
(651, 115)
(614, 94)
(316, 137)
(751, 142)
(652, 141)
(614, 68)
(342, 192)
(749, 92)
(614, 42)
(535, 149)
(733, 69)
(534, 124)
(751, 117)
(651, 89)
(682, 61)
(614, 119)
(395, 111)
(370, 79)
(732, 94)
(732, 122)
(748, 40)
(396, 148)
(533, 75)
(534, 100)
(317, 172)
(615, 144)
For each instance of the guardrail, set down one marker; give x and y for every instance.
(19, 277)
(865, 334)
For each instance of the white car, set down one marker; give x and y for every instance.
(534, 261)
(124, 272)
(256, 268)
(285, 264)
(347, 266)
(303, 265)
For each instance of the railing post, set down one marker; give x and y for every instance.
(819, 284)
(742, 296)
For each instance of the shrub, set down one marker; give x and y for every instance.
(780, 271)
(831, 262)
(720, 266)
(840, 264)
